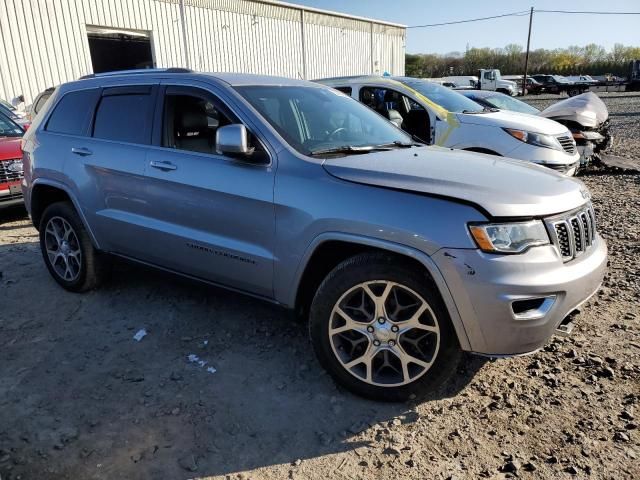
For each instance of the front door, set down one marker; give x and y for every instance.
(212, 215)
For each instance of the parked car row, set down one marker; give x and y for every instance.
(437, 115)
(401, 255)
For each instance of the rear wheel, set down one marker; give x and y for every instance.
(380, 328)
(67, 250)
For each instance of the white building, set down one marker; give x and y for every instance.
(47, 42)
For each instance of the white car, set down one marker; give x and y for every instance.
(440, 116)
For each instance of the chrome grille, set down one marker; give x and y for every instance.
(568, 144)
(573, 233)
(7, 174)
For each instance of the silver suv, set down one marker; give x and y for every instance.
(400, 255)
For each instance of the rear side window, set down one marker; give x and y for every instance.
(124, 118)
(72, 113)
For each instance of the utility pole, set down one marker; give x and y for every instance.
(184, 35)
(526, 58)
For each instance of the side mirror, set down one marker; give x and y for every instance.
(233, 140)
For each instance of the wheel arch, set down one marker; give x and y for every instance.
(328, 250)
(44, 193)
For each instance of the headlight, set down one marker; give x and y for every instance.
(509, 237)
(537, 139)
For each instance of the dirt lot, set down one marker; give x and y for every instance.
(79, 398)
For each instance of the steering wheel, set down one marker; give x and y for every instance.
(335, 132)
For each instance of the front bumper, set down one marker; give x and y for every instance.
(485, 287)
(10, 193)
(557, 160)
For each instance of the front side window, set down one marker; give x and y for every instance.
(72, 113)
(190, 123)
(123, 118)
(316, 119)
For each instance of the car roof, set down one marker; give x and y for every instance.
(230, 78)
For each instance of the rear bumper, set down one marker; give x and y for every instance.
(485, 287)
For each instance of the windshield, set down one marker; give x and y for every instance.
(9, 128)
(6, 104)
(560, 79)
(315, 119)
(447, 99)
(505, 102)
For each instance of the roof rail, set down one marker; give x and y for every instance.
(137, 72)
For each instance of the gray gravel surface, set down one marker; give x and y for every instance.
(79, 398)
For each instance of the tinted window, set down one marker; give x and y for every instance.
(73, 112)
(345, 90)
(123, 118)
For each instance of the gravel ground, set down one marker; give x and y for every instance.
(79, 398)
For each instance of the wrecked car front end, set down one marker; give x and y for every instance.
(587, 117)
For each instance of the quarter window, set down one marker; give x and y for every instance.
(72, 114)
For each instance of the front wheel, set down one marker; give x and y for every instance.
(381, 330)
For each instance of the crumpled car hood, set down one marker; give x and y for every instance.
(586, 109)
(502, 187)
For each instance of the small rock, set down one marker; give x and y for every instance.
(188, 463)
(571, 470)
(530, 467)
(175, 376)
(297, 463)
(621, 437)
(511, 467)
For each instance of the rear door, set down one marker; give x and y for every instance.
(108, 163)
(212, 214)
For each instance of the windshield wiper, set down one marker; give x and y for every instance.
(350, 149)
(474, 111)
(400, 144)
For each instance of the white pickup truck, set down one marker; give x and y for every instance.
(490, 79)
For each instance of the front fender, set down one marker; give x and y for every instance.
(290, 293)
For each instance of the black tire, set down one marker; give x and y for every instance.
(91, 270)
(381, 266)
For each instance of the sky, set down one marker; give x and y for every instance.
(549, 30)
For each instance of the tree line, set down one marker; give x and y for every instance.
(591, 59)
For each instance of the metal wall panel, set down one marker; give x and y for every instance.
(44, 42)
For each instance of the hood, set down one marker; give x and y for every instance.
(502, 187)
(10, 148)
(519, 121)
(586, 109)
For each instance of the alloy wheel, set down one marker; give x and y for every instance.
(63, 248)
(384, 333)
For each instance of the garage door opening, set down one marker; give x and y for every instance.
(112, 49)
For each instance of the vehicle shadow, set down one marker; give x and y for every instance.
(12, 213)
(77, 386)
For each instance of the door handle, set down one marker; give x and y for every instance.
(166, 166)
(83, 152)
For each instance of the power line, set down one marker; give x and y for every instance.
(522, 13)
(578, 12)
(513, 14)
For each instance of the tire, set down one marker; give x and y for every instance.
(78, 266)
(406, 289)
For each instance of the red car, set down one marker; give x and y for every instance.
(10, 161)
